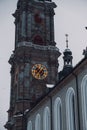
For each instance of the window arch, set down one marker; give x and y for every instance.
(84, 101)
(38, 122)
(46, 119)
(29, 126)
(57, 114)
(70, 109)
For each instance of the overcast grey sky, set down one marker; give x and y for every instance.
(71, 18)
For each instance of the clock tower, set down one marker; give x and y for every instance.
(34, 62)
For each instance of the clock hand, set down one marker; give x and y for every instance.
(39, 71)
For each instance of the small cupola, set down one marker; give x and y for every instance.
(67, 58)
(85, 52)
(67, 55)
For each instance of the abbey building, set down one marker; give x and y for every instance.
(42, 97)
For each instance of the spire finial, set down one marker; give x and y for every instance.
(66, 40)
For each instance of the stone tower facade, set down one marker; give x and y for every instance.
(34, 62)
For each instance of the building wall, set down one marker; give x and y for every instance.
(82, 93)
(65, 108)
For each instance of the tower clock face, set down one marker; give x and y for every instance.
(39, 71)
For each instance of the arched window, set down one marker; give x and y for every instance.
(38, 122)
(46, 119)
(29, 126)
(84, 101)
(70, 109)
(57, 114)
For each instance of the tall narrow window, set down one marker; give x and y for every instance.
(84, 101)
(29, 125)
(70, 109)
(38, 122)
(57, 114)
(46, 119)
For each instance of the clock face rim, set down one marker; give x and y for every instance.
(41, 72)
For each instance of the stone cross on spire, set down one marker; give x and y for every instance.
(66, 40)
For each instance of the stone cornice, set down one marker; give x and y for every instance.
(39, 47)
